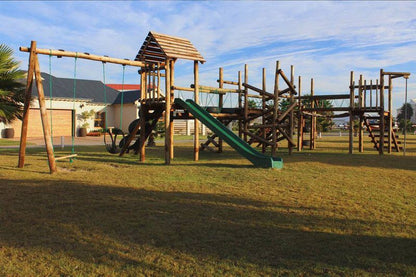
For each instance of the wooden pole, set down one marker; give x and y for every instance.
(291, 114)
(28, 97)
(263, 106)
(300, 116)
(142, 121)
(196, 122)
(313, 121)
(377, 93)
(152, 73)
(87, 56)
(275, 107)
(245, 102)
(381, 144)
(158, 82)
(44, 118)
(390, 116)
(371, 93)
(361, 107)
(351, 111)
(172, 99)
(220, 102)
(167, 112)
(240, 105)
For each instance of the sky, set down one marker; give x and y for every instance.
(324, 40)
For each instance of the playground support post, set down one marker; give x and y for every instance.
(300, 116)
(275, 107)
(381, 143)
(34, 67)
(168, 107)
(263, 106)
(361, 109)
(390, 116)
(196, 122)
(245, 102)
(240, 105)
(142, 121)
(313, 120)
(351, 123)
(220, 102)
(291, 114)
(28, 96)
(172, 98)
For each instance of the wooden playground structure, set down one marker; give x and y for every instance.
(267, 126)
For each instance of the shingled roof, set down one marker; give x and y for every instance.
(86, 90)
(159, 47)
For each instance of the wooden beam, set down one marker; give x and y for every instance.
(168, 107)
(263, 106)
(289, 110)
(275, 107)
(44, 118)
(283, 132)
(333, 109)
(228, 82)
(313, 121)
(26, 108)
(215, 90)
(262, 92)
(361, 106)
(381, 141)
(182, 88)
(325, 97)
(259, 138)
(196, 122)
(390, 116)
(172, 99)
(300, 116)
(220, 102)
(87, 56)
(240, 104)
(292, 88)
(291, 113)
(245, 102)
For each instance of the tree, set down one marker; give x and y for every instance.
(11, 87)
(405, 109)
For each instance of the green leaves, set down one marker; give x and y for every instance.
(11, 86)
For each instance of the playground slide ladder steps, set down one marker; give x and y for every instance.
(372, 124)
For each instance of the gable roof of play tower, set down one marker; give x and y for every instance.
(159, 47)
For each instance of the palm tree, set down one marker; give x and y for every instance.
(11, 86)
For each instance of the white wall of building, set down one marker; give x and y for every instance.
(130, 113)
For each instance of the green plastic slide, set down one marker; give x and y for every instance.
(242, 147)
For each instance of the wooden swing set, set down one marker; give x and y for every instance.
(34, 73)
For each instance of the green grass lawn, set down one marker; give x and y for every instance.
(325, 213)
(8, 142)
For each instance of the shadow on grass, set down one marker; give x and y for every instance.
(100, 224)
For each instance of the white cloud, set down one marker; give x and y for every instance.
(323, 39)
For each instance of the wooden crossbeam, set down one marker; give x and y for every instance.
(285, 113)
(80, 55)
(262, 92)
(283, 132)
(288, 83)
